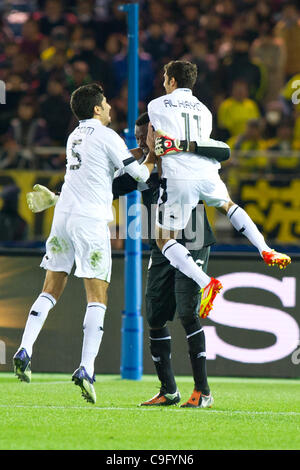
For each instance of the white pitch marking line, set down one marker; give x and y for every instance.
(115, 408)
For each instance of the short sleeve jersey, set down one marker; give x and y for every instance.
(93, 153)
(182, 116)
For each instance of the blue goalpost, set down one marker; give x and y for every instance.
(132, 321)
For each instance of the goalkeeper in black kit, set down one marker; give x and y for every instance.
(167, 290)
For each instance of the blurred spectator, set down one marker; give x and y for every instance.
(54, 67)
(270, 51)
(25, 131)
(55, 109)
(31, 40)
(284, 140)
(78, 76)
(239, 66)
(12, 226)
(99, 69)
(288, 28)
(288, 161)
(236, 111)
(59, 43)
(251, 140)
(54, 16)
(116, 23)
(189, 21)
(146, 74)
(16, 88)
(155, 44)
(274, 113)
(212, 26)
(85, 14)
(11, 50)
(206, 78)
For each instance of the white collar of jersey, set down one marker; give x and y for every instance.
(188, 90)
(90, 119)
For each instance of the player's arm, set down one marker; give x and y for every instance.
(123, 183)
(166, 145)
(124, 159)
(41, 198)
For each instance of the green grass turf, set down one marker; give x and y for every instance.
(49, 413)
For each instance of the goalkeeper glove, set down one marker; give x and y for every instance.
(40, 198)
(165, 145)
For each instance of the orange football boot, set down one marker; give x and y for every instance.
(208, 295)
(198, 400)
(163, 399)
(272, 258)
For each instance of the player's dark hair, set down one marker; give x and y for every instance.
(84, 99)
(142, 119)
(184, 72)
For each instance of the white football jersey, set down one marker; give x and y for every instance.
(182, 116)
(93, 153)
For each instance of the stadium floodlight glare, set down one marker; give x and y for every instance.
(132, 322)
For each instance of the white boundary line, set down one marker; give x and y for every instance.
(151, 409)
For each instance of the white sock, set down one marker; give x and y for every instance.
(36, 319)
(245, 225)
(92, 335)
(181, 259)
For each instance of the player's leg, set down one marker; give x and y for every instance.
(177, 199)
(58, 262)
(91, 241)
(160, 307)
(96, 293)
(53, 287)
(245, 225)
(187, 302)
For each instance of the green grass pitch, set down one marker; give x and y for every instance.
(49, 413)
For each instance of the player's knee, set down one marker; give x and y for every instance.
(55, 283)
(194, 334)
(227, 206)
(155, 326)
(160, 243)
(189, 321)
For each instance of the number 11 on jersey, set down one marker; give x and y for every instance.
(187, 132)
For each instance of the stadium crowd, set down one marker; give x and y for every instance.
(247, 53)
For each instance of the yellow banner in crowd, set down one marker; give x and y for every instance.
(274, 207)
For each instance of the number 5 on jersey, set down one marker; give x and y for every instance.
(76, 155)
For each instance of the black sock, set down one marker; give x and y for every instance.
(160, 347)
(196, 341)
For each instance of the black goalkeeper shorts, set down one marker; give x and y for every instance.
(169, 291)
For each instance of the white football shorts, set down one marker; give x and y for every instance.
(82, 240)
(178, 198)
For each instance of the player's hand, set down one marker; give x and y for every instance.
(150, 141)
(40, 198)
(165, 145)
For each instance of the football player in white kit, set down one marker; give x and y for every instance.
(188, 178)
(80, 232)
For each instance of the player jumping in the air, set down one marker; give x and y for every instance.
(186, 179)
(80, 232)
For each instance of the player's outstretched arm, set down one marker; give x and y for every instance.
(41, 198)
(166, 145)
